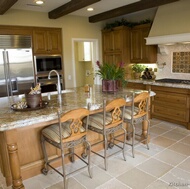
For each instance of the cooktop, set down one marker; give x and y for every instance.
(168, 80)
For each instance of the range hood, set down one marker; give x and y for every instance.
(171, 24)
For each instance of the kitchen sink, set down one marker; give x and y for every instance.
(168, 80)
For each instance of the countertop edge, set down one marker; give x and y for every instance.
(147, 82)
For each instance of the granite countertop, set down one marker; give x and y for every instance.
(71, 99)
(152, 82)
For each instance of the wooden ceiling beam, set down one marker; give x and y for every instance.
(134, 7)
(5, 5)
(69, 7)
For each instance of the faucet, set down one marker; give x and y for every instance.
(58, 80)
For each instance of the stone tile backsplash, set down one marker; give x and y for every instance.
(177, 62)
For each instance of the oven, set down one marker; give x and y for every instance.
(43, 65)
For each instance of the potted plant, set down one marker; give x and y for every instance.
(111, 75)
(137, 69)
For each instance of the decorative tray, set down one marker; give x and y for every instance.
(44, 104)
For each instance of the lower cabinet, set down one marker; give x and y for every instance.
(171, 104)
(140, 86)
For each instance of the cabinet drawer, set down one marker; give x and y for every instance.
(171, 113)
(171, 99)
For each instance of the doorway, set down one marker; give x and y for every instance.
(85, 55)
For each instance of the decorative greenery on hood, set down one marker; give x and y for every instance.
(124, 22)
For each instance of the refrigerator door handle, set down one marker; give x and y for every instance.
(5, 56)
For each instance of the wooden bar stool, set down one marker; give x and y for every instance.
(136, 111)
(68, 133)
(108, 123)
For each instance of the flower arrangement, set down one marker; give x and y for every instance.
(109, 71)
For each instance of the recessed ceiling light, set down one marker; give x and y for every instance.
(39, 2)
(90, 9)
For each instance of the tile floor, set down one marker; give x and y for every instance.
(165, 165)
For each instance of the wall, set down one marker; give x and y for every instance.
(166, 72)
(72, 27)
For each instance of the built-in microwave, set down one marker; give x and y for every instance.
(48, 63)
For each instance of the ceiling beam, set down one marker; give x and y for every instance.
(134, 7)
(5, 5)
(69, 7)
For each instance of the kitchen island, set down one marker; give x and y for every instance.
(172, 100)
(20, 149)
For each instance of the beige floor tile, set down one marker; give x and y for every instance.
(186, 140)
(136, 179)
(167, 157)
(166, 125)
(162, 141)
(155, 167)
(174, 135)
(185, 165)
(153, 149)
(158, 184)
(99, 175)
(154, 122)
(181, 148)
(177, 178)
(122, 166)
(72, 183)
(158, 130)
(182, 129)
(113, 184)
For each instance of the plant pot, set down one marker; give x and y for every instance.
(109, 85)
(137, 75)
(33, 100)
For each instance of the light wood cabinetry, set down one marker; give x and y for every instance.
(171, 104)
(47, 41)
(133, 85)
(115, 45)
(140, 52)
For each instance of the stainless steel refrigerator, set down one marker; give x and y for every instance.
(16, 65)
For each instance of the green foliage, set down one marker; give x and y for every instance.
(138, 68)
(124, 22)
(111, 72)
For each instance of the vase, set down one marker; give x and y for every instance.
(109, 85)
(33, 100)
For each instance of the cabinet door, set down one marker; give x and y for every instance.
(136, 46)
(140, 52)
(113, 58)
(40, 42)
(117, 40)
(107, 40)
(47, 41)
(54, 42)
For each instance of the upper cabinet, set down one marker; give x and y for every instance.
(115, 45)
(84, 51)
(140, 52)
(47, 41)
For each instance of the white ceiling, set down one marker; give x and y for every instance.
(49, 5)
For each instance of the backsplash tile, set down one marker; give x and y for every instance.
(167, 72)
(181, 62)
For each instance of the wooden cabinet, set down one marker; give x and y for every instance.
(47, 41)
(115, 45)
(171, 104)
(140, 52)
(134, 85)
